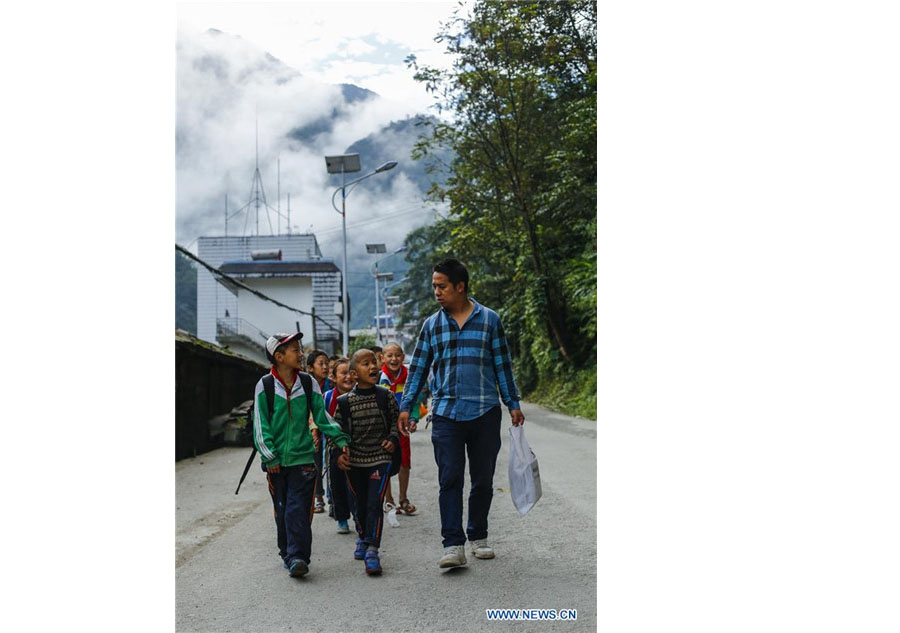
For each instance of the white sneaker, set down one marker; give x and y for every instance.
(481, 549)
(454, 556)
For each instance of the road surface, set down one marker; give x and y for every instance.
(229, 576)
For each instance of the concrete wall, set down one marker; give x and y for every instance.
(293, 291)
(208, 382)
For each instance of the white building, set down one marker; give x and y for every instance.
(301, 278)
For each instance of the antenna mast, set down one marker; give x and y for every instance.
(278, 204)
(256, 175)
(258, 191)
(258, 197)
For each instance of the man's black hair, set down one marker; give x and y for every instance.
(455, 270)
(313, 355)
(375, 349)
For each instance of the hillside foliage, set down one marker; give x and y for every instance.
(521, 183)
(185, 294)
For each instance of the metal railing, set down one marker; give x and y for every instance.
(234, 328)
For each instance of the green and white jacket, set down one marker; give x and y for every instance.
(286, 440)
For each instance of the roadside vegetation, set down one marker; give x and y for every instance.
(521, 186)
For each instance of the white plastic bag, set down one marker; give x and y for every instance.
(524, 476)
(391, 514)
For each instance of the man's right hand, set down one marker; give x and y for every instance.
(273, 469)
(403, 423)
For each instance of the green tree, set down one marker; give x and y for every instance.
(185, 294)
(424, 246)
(522, 184)
(362, 341)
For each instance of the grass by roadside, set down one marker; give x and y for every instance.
(572, 394)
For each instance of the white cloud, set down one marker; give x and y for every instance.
(226, 88)
(305, 35)
(358, 47)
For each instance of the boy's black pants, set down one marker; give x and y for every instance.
(317, 457)
(293, 491)
(368, 486)
(340, 495)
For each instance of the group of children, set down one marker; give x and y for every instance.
(344, 420)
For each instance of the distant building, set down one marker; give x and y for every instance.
(405, 336)
(288, 268)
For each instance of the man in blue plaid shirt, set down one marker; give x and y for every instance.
(465, 345)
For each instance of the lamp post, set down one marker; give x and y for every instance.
(343, 164)
(393, 299)
(373, 249)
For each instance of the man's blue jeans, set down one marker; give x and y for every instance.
(453, 440)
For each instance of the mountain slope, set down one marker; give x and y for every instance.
(240, 108)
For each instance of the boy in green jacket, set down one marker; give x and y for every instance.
(286, 448)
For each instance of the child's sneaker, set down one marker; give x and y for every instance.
(373, 564)
(360, 552)
(297, 568)
(343, 527)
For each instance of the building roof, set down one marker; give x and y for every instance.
(210, 350)
(278, 267)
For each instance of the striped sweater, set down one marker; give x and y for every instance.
(368, 428)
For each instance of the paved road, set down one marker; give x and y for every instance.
(229, 576)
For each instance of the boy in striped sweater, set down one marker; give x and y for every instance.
(370, 419)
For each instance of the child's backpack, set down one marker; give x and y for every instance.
(268, 382)
(381, 398)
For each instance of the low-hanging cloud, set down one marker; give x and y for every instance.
(233, 100)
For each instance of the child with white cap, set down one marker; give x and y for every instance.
(283, 401)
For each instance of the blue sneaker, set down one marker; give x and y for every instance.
(373, 564)
(297, 568)
(343, 527)
(360, 552)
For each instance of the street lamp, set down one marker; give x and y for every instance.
(343, 164)
(391, 301)
(379, 248)
(385, 277)
(376, 249)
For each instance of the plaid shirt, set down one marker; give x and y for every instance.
(469, 364)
